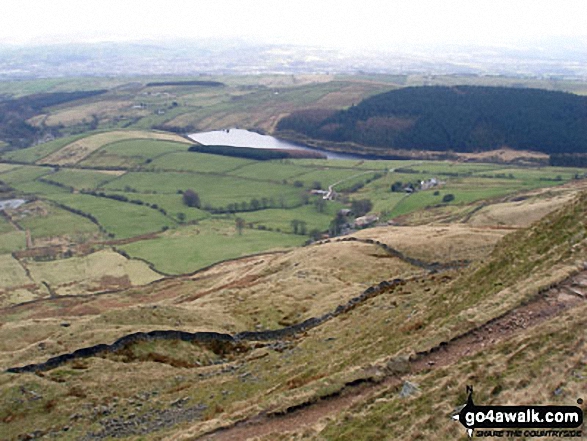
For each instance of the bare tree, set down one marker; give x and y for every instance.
(240, 225)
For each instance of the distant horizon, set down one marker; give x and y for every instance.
(224, 40)
(377, 25)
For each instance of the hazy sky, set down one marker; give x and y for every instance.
(342, 23)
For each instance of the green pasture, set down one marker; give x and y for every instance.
(81, 179)
(57, 222)
(65, 84)
(433, 168)
(5, 226)
(276, 171)
(281, 220)
(307, 94)
(463, 192)
(37, 188)
(131, 152)
(331, 175)
(6, 167)
(25, 173)
(358, 164)
(380, 194)
(191, 248)
(197, 162)
(556, 174)
(171, 203)
(121, 219)
(12, 274)
(35, 153)
(214, 190)
(12, 241)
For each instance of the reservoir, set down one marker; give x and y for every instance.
(246, 138)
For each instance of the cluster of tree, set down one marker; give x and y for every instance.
(462, 119)
(361, 207)
(57, 184)
(299, 226)
(253, 205)
(191, 199)
(187, 83)
(14, 113)
(241, 152)
(188, 128)
(397, 187)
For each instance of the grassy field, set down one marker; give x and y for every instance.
(38, 152)
(281, 220)
(38, 188)
(447, 168)
(197, 162)
(196, 247)
(278, 188)
(82, 179)
(99, 271)
(7, 167)
(24, 174)
(119, 219)
(12, 241)
(77, 151)
(5, 226)
(12, 274)
(276, 171)
(214, 190)
(152, 169)
(45, 220)
(132, 152)
(174, 389)
(556, 174)
(171, 203)
(358, 346)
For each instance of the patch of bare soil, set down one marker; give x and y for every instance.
(544, 307)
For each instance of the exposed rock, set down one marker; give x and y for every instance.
(409, 389)
(397, 366)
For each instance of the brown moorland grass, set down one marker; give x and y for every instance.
(413, 317)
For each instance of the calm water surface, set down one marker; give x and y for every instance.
(246, 138)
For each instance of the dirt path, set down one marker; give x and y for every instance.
(544, 307)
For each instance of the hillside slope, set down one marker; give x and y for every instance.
(460, 119)
(521, 306)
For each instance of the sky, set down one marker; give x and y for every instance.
(350, 24)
